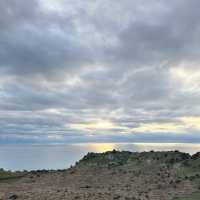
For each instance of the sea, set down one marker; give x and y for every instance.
(62, 156)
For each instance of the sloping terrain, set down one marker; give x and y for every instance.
(113, 175)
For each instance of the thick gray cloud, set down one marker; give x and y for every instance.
(74, 71)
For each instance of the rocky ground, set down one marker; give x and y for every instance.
(112, 175)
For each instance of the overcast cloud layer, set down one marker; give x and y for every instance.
(100, 71)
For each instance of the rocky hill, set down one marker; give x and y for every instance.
(112, 175)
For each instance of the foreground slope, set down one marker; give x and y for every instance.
(113, 175)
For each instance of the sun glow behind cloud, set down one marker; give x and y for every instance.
(182, 125)
(92, 126)
(160, 128)
(103, 147)
(192, 122)
(186, 76)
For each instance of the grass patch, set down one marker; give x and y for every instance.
(193, 196)
(8, 176)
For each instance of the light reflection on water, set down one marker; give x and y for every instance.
(29, 157)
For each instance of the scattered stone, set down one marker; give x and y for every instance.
(13, 197)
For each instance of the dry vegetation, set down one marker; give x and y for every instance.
(111, 175)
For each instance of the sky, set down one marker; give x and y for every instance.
(99, 71)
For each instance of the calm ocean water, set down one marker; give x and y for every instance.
(32, 157)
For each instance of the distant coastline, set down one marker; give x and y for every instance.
(38, 157)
